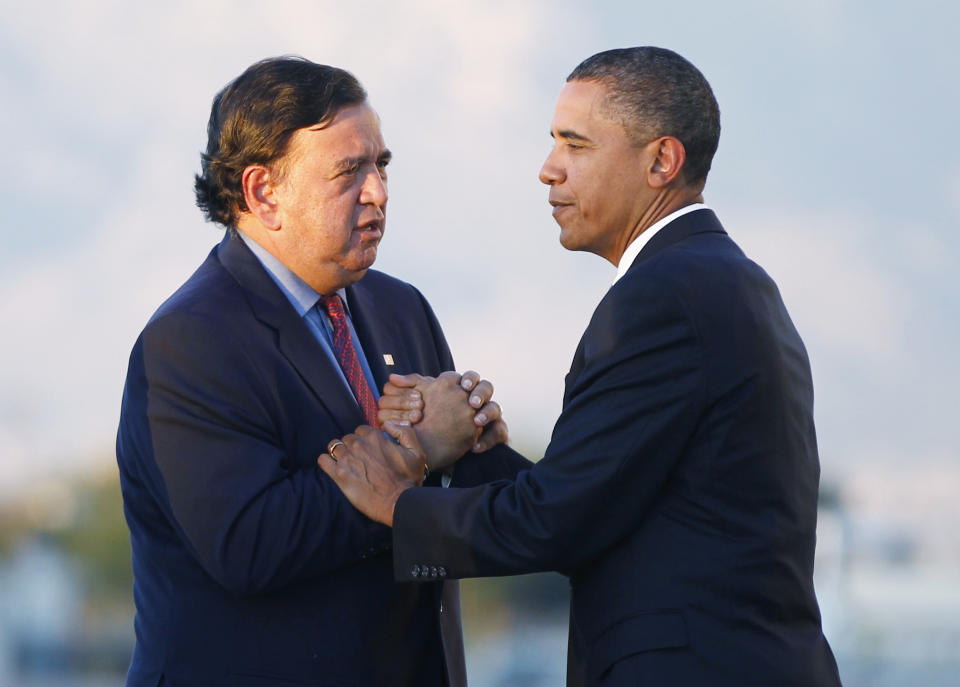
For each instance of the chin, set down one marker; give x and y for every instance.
(568, 240)
(363, 262)
(352, 277)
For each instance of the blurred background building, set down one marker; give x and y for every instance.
(888, 593)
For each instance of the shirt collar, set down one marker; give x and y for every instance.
(301, 295)
(633, 250)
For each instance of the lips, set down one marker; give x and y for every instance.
(559, 206)
(371, 230)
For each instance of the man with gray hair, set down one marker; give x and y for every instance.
(679, 489)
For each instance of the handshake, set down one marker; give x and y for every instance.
(431, 422)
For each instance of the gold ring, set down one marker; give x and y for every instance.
(332, 446)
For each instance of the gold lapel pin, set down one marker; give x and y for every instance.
(388, 359)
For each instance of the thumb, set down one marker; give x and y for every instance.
(413, 460)
(405, 381)
(403, 435)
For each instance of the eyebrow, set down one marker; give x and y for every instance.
(571, 135)
(348, 162)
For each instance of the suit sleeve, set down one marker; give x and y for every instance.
(629, 413)
(198, 431)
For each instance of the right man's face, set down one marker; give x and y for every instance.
(332, 199)
(595, 172)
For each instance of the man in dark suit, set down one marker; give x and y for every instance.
(679, 489)
(250, 566)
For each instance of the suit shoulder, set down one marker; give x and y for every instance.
(208, 295)
(675, 285)
(206, 287)
(375, 280)
(382, 288)
(697, 264)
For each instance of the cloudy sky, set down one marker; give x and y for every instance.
(838, 171)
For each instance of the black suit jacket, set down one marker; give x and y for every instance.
(250, 566)
(679, 489)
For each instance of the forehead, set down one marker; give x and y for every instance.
(354, 132)
(579, 105)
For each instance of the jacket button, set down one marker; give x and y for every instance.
(441, 571)
(433, 571)
(415, 572)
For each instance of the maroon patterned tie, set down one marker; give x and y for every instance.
(347, 357)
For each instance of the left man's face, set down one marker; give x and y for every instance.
(332, 199)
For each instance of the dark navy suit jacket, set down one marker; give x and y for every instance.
(679, 489)
(250, 567)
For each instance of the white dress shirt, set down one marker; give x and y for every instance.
(633, 250)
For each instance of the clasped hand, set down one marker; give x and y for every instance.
(372, 471)
(451, 414)
(432, 421)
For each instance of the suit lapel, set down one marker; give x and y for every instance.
(294, 339)
(696, 222)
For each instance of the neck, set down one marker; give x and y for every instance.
(671, 200)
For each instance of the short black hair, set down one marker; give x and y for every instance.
(253, 118)
(655, 92)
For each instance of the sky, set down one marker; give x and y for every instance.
(838, 171)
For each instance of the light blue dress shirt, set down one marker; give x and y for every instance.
(305, 301)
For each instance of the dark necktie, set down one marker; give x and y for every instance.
(347, 357)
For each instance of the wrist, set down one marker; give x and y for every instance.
(391, 506)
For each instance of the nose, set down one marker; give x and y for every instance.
(551, 172)
(374, 190)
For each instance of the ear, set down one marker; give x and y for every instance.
(669, 157)
(260, 195)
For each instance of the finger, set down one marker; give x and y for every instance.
(482, 394)
(469, 380)
(349, 442)
(390, 389)
(491, 412)
(493, 434)
(450, 377)
(405, 381)
(404, 406)
(328, 464)
(401, 417)
(406, 399)
(403, 435)
(362, 432)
